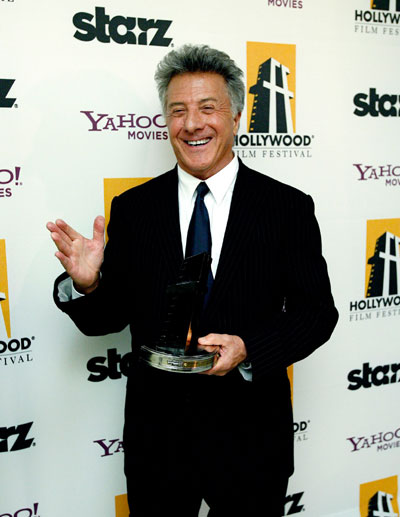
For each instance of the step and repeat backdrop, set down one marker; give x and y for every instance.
(80, 121)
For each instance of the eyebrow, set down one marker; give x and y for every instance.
(180, 103)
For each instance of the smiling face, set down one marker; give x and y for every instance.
(200, 122)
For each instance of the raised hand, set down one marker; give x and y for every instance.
(80, 257)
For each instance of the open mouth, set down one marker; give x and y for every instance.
(196, 143)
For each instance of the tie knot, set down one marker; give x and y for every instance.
(202, 189)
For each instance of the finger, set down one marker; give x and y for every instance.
(221, 367)
(216, 370)
(68, 230)
(61, 243)
(98, 229)
(63, 259)
(211, 339)
(208, 348)
(53, 228)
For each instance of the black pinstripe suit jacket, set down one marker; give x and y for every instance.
(271, 287)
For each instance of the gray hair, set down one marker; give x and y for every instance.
(201, 58)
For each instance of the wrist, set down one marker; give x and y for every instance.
(87, 289)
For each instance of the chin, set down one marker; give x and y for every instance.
(196, 167)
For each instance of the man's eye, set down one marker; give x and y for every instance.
(208, 108)
(176, 112)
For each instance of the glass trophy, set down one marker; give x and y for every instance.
(176, 348)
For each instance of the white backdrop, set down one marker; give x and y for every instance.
(60, 433)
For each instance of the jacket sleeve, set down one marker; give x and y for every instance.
(308, 315)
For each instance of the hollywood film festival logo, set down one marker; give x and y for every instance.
(301, 428)
(13, 349)
(271, 105)
(382, 273)
(381, 17)
(379, 498)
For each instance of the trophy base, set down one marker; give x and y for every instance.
(177, 363)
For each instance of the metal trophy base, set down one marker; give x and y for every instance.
(177, 363)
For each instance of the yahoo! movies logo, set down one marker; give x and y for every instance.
(271, 105)
(382, 17)
(292, 4)
(382, 272)
(12, 350)
(121, 29)
(388, 174)
(382, 441)
(138, 127)
(5, 87)
(30, 511)
(379, 498)
(9, 179)
(109, 447)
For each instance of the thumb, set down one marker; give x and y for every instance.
(208, 339)
(98, 229)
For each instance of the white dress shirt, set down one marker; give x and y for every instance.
(217, 200)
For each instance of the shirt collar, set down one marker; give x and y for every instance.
(219, 183)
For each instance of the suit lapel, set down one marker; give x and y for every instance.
(236, 235)
(167, 209)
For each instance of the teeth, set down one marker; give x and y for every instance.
(198, 142)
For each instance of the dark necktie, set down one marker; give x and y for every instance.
(199, 234)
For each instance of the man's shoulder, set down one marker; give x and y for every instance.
(268, 186)
(157, 186)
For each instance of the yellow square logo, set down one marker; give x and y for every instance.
(5, 325)
(382, 272)
(379, 498)
(271, 87)
(121, 506)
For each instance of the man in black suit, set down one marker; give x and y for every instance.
(227, 435)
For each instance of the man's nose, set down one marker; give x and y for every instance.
(193, 121)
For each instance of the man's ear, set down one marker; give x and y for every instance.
(236, 122)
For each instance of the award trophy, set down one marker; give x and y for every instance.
(176, 348)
